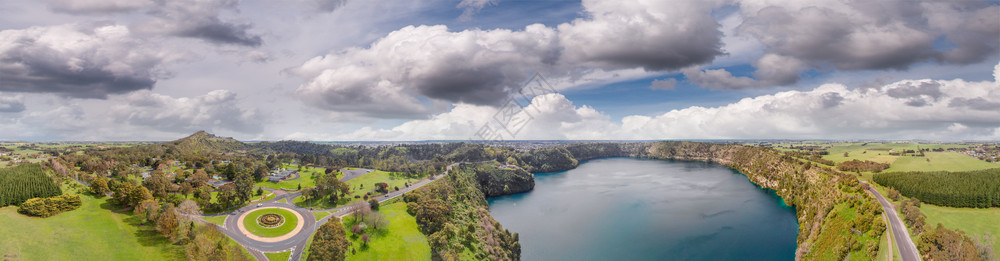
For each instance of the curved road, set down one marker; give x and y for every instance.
(907, 250)
(297, 243)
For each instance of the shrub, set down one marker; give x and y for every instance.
(47, 207)
(373, 203)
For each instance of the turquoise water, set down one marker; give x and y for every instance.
(637, 209)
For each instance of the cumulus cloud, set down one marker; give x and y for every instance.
(200, 19)
(863, 35)
(415, 64)
(11, 103)
(215, 110)
(951, 109)
(386, 79)
(84, 61)
(654, 35)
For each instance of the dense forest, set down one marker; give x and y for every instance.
(454, 214)
(23, 182)
(976, 189)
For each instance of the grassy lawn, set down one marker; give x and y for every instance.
(949, 161)
(90, 232)
(250, 222)
(307, 178)
(974, 221)
(401, 241)
(218, 220)
(265, 197)
(366, 183)
(320, 215)
(282, 256)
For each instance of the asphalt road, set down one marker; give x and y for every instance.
(296, 244)
(255, 247)
(907, 250)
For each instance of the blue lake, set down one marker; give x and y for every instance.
(638, 209)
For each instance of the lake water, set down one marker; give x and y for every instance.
(638, 209)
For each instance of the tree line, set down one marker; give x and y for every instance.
(972, 189)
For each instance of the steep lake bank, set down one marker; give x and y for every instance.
(638, 209)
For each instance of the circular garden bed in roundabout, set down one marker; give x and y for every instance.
(270, 222)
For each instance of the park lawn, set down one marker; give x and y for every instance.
(366, 183)
(974, 221)
(401, 241)
(90, 232)
(940, 161)
(250, 223)
(218, 220)
(321, 215)
(280, 256)
(265, 197)
(322, 203)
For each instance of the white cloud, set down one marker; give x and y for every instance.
(418, 63)
(11, 103)
(828, 111)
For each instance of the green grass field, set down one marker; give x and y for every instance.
(90, 232)
(307, 179)
(218, 220)
(366, 183)
(320, 215)
(947, 161)
(974, 221)
(402, 241)
(250, 222)
(281, 256)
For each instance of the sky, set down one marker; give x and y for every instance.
(342, 70)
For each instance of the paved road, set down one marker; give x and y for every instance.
(232, 230)
(296, 244)
(353, 173)
(907, 250)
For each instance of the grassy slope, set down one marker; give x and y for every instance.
(90, 232)
(307, 179)
(368, 182)
(402, 241)
(218, 220)
(280, 256)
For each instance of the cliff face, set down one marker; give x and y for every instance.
(495, 181)
(814, 191)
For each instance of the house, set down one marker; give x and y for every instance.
(280, 175)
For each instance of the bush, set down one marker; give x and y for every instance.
(373, 203)
(47, 207)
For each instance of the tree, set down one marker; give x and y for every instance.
(300, 187)
(329, 242)
(260, 191)
(147, 209)
(186, 189)
(167, 223)
(99, 186)
(893, 194)
(244, 188)
(373, 203)
(189, 207)
(199, 179)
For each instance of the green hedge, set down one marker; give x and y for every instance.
(47, 207)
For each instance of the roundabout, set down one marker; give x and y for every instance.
(270, 224)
